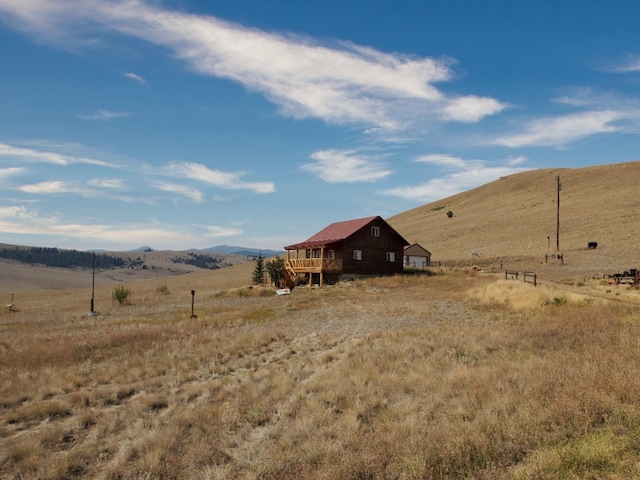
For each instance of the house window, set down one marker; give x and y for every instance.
(375, 231)
(357, 254)
(391, 256)
(332, 254)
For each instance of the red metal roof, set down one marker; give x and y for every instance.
(333, 233)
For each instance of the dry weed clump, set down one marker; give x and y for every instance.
(396, 377)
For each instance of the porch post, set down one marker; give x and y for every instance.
(321, 265)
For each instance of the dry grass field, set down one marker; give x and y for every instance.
(457, 373)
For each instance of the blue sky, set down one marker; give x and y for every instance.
(181, 124)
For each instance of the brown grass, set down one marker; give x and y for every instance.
(457, 375)
(511, 222)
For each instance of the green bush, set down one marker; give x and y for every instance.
(276, 270)
(120, 294)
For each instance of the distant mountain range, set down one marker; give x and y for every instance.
(247, 252)
(226, 250)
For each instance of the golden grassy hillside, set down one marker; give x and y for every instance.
(513, 216)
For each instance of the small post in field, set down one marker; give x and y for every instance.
(93, 313)
(193, 296)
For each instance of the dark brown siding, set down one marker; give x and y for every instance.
(374, 251)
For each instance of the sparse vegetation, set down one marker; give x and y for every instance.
(120, 294)
(276, 270)
(419, 376)
(199, 260)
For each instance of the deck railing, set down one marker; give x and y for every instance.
(316, 264)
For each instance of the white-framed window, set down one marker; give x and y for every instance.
(332, 254)
(391, 256)
(375, 231)
(357, 254)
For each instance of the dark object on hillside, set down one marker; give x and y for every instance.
(592, 245)
(193, 297)
(630, 277)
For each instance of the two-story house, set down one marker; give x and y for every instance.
(365, 246)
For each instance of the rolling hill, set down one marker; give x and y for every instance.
(514, 219)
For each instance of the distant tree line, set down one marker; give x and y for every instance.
(52, 257)
(199, 260)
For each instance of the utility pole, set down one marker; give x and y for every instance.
(93, 285)
(558, 215)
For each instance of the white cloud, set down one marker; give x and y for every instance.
(18, 220)
(103, 115)
(218, 231)
(628, 64)
(226, 180)
(345, 166)
(111, 183)
(8, 172)
(519, 160)
(135, 78)
(557, 131)
(92, 189)
(194, 195)
(471, 109)
(442, 160)
(341, 83)
(469, 174)
(37, 156)
(52, 187)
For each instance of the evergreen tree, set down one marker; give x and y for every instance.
(258, 271)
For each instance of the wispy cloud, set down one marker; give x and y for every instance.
(468, 174)
(110, 183)
(39, 156)
(100, 115)
(136, 78)
(194, 195)
(443, 160)
(345, 166)
(629, 63)
(339, 82)
(8, 172)
(471, 109)
(56, 187)
(216, 231)
(19, 220)
(558, 131)
(225, 180)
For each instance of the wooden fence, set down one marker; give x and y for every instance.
(528, 277)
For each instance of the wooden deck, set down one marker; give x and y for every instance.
(315, 265)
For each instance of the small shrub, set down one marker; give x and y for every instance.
(559, 301)
(449, 214)
(162, 290)
(120, 294)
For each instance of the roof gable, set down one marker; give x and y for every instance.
(340, 230)
(336, 232)
(416, 249)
